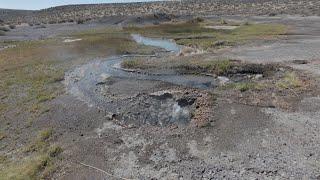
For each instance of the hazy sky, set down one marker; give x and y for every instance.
(40, 4)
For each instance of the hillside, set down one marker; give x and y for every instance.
(15, 15)
(186, 7)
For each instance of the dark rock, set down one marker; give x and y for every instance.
(300, 62)
(163, 96)
(183, 102)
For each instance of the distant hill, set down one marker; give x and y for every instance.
(15, 15)
(185, 7)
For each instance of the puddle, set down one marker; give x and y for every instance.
(162, 43)
(71, 40)
(222, 27)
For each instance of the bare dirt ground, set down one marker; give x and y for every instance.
(134, 131)
(241, 142)
(302, 43)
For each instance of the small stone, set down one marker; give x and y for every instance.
(223, 80)
(258, 76)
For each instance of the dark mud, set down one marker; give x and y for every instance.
(127, 96)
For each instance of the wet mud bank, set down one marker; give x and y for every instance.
(254, 120)
(134, 98)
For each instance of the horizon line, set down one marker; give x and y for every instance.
(73, 4)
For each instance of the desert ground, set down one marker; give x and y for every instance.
(210, 97)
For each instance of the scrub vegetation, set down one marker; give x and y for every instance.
(290, 80)
(38, 164)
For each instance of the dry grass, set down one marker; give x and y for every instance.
(189, 65)
(2, 136)
(31, 76)
(133, 64)
(289, 81)
(39, 165)
(246, 86)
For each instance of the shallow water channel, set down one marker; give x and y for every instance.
(162, 43)
(84, 81)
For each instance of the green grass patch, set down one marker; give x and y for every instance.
(3, 159)
(2, 136)
(5, 29)
(218, 67)
(54, 151)
(196, 34)
(190, 66)
(244, 86)
(290, 80)
(3, 107)
(110, 38)
(27, 169)
(39, 165)
(132, 64)
(41, 143)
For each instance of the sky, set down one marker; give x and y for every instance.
(41, 4)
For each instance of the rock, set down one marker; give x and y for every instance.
(161, 95)
(300, 62)
(258, 76)
(183, 102)
(110, 116)
(71, 40)
(104, 77)
(220, 43)
(223, 80)
(163, 16)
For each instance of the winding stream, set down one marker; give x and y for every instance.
(83, 82)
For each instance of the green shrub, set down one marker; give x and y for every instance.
(290, 80)
(12, 26)
(2, 136)
(80, 21)
(132, 64)
(245, 86)
(196, 20)
(247, 23)
(28, 168)
(52, 22)
(222, 21)
(55, 150)
(5, 29)
(222, 66)
(2, 33)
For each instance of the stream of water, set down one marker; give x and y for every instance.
(83, 82)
